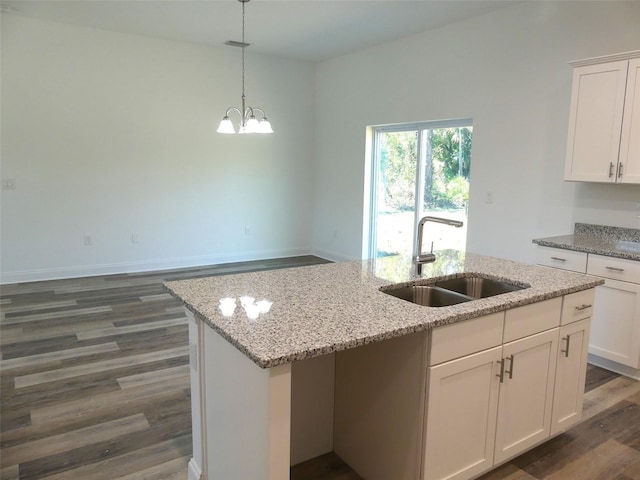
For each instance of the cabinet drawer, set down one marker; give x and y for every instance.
(530, 319)
(614, 268)
(559, 258)
(577, 306)
(464, 338)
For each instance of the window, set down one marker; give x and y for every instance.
(417, 170)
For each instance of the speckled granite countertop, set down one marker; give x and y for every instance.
(326, 308)
(598, 239)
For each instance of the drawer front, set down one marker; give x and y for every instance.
(559, 258)
(464, 338)
(524, 321)
(614, 268)
(577, 306)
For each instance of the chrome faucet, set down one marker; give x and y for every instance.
(422, 258)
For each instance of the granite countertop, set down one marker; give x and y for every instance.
(598, 239)
(321, 309)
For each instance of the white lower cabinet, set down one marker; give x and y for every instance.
(455, 402)
(616, 327)
(461, 416)
(571, 371)
(491, 405)
(526, 393)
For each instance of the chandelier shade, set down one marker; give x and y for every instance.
(248, 122)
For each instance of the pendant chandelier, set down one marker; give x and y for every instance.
(248, 121)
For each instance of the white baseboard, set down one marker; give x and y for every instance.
(194, 472)
(333, 256)
(614, 366)
(146, 266)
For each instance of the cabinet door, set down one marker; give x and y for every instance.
(595, 122)
(630, 142)
(615, 325)
(461, 416)
(526, 394)
(571, 371)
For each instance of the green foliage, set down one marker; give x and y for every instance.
(446, 143)
(398, 165)
(447, 170)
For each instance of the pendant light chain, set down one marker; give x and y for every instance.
(243, 47)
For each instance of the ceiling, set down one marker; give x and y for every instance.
(312, 30)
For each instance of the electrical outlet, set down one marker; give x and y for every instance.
(247, 230)
(488, 197)
(88, 240)
(135, 238)
(8, 184)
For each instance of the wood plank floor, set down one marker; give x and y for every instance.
(94, 376)
(94, 384)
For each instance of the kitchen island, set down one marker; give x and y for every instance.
(306, 373)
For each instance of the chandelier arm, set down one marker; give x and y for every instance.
(232, 109)
(256, 109)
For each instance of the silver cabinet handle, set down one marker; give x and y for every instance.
(611, 170)
(510, 371)
(614, 269)
(501, 374)
(566, 351)
(620, 170)
(559, 259)
(583, 307)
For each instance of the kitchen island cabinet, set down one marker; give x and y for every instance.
(256, 405)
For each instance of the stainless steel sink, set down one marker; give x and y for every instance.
(428, 295)
(478, 287)
(442, 293)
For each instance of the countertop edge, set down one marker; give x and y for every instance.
(340, 346)
(566, 245)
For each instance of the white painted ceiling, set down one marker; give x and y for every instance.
(312, 30)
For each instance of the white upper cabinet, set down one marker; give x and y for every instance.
(604, 120)
(630, 140)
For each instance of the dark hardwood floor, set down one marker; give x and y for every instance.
(94, 384)
(94, 376)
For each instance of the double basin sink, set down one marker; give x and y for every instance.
(451, 291)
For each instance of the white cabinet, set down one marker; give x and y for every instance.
(615, 332)
(526, 394)
(461, 416)
(454, 402)
(603, 142)
(491, 405)
(630, 140)
(614, 341)
(563, 259)
(571, 373)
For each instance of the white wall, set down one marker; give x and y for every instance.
(110, 134)
(508, 71)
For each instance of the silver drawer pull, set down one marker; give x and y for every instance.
(614, 269)
(510, 371)
(559, 259)
(583, 307)
(501, 374)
